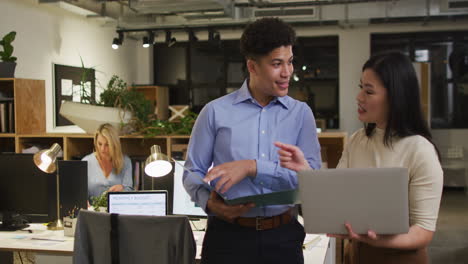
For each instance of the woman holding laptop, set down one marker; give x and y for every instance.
(395, 134)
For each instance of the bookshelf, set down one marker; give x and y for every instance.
(7, 142)
(28, 98)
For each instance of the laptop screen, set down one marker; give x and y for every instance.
(138, 203)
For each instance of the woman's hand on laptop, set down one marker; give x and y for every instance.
(416, 238)
(291, 157)
(368, 238)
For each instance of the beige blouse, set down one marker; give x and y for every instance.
(415, 153)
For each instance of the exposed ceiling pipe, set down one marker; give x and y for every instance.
(108, 8)
(428, 13)
(262, 4)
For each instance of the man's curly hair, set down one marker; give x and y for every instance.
(264, 35)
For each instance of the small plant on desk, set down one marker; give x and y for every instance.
(99, 201)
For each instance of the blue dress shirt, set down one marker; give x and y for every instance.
(236, 127)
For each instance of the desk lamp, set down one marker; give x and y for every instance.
(157, 164)
(46, 160)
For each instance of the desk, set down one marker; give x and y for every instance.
(53, 247)
(49, 246)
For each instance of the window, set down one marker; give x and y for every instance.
(201, 71)
(447, 53)
(315, 78)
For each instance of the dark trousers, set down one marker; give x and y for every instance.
(230, 243)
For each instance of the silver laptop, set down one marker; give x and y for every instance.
(137, 203)
(370, 198)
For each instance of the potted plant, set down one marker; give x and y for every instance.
(118, 95)
(8, 62)
(124, 108)
(99, 203)
(163, 127)
(89, 114)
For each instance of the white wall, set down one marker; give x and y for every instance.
(47, 34)
(144, 61)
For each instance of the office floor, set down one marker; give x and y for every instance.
(450, 242)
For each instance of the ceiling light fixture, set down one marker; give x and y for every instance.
(148, 40)
(118, 41)
(146, 43)
(214, 36)
(170, 41)
(192, 36)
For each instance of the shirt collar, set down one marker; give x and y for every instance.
(244, 95)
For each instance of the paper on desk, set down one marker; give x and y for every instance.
(311, 241)
(274, 198)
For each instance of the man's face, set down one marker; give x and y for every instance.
(270, 74)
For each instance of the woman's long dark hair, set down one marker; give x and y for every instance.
(405, 117)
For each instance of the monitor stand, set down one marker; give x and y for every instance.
(12, 222)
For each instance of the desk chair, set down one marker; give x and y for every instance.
(103, 238)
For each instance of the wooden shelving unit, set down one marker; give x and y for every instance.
(79, 145)
(333, 144)
(7, 142)
(159, 96)
(29, 104)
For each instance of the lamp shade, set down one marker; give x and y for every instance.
(45, 159)
(157, 164)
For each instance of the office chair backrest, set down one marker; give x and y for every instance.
(141, 239)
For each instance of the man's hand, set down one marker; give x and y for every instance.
(229, 213)
(231, 173)
(291, 157)
(116, 188)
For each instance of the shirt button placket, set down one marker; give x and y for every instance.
(263, 133)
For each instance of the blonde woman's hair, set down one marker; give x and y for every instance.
(111, 134)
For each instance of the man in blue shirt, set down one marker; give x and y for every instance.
(236, 134)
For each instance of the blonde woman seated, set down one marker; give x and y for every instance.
(108, 169)
(395, 134)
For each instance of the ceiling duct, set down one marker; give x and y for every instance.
(174, 6)
(294, 12)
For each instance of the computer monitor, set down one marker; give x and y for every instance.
(24, 189)
(182, 203)
(73, 187)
